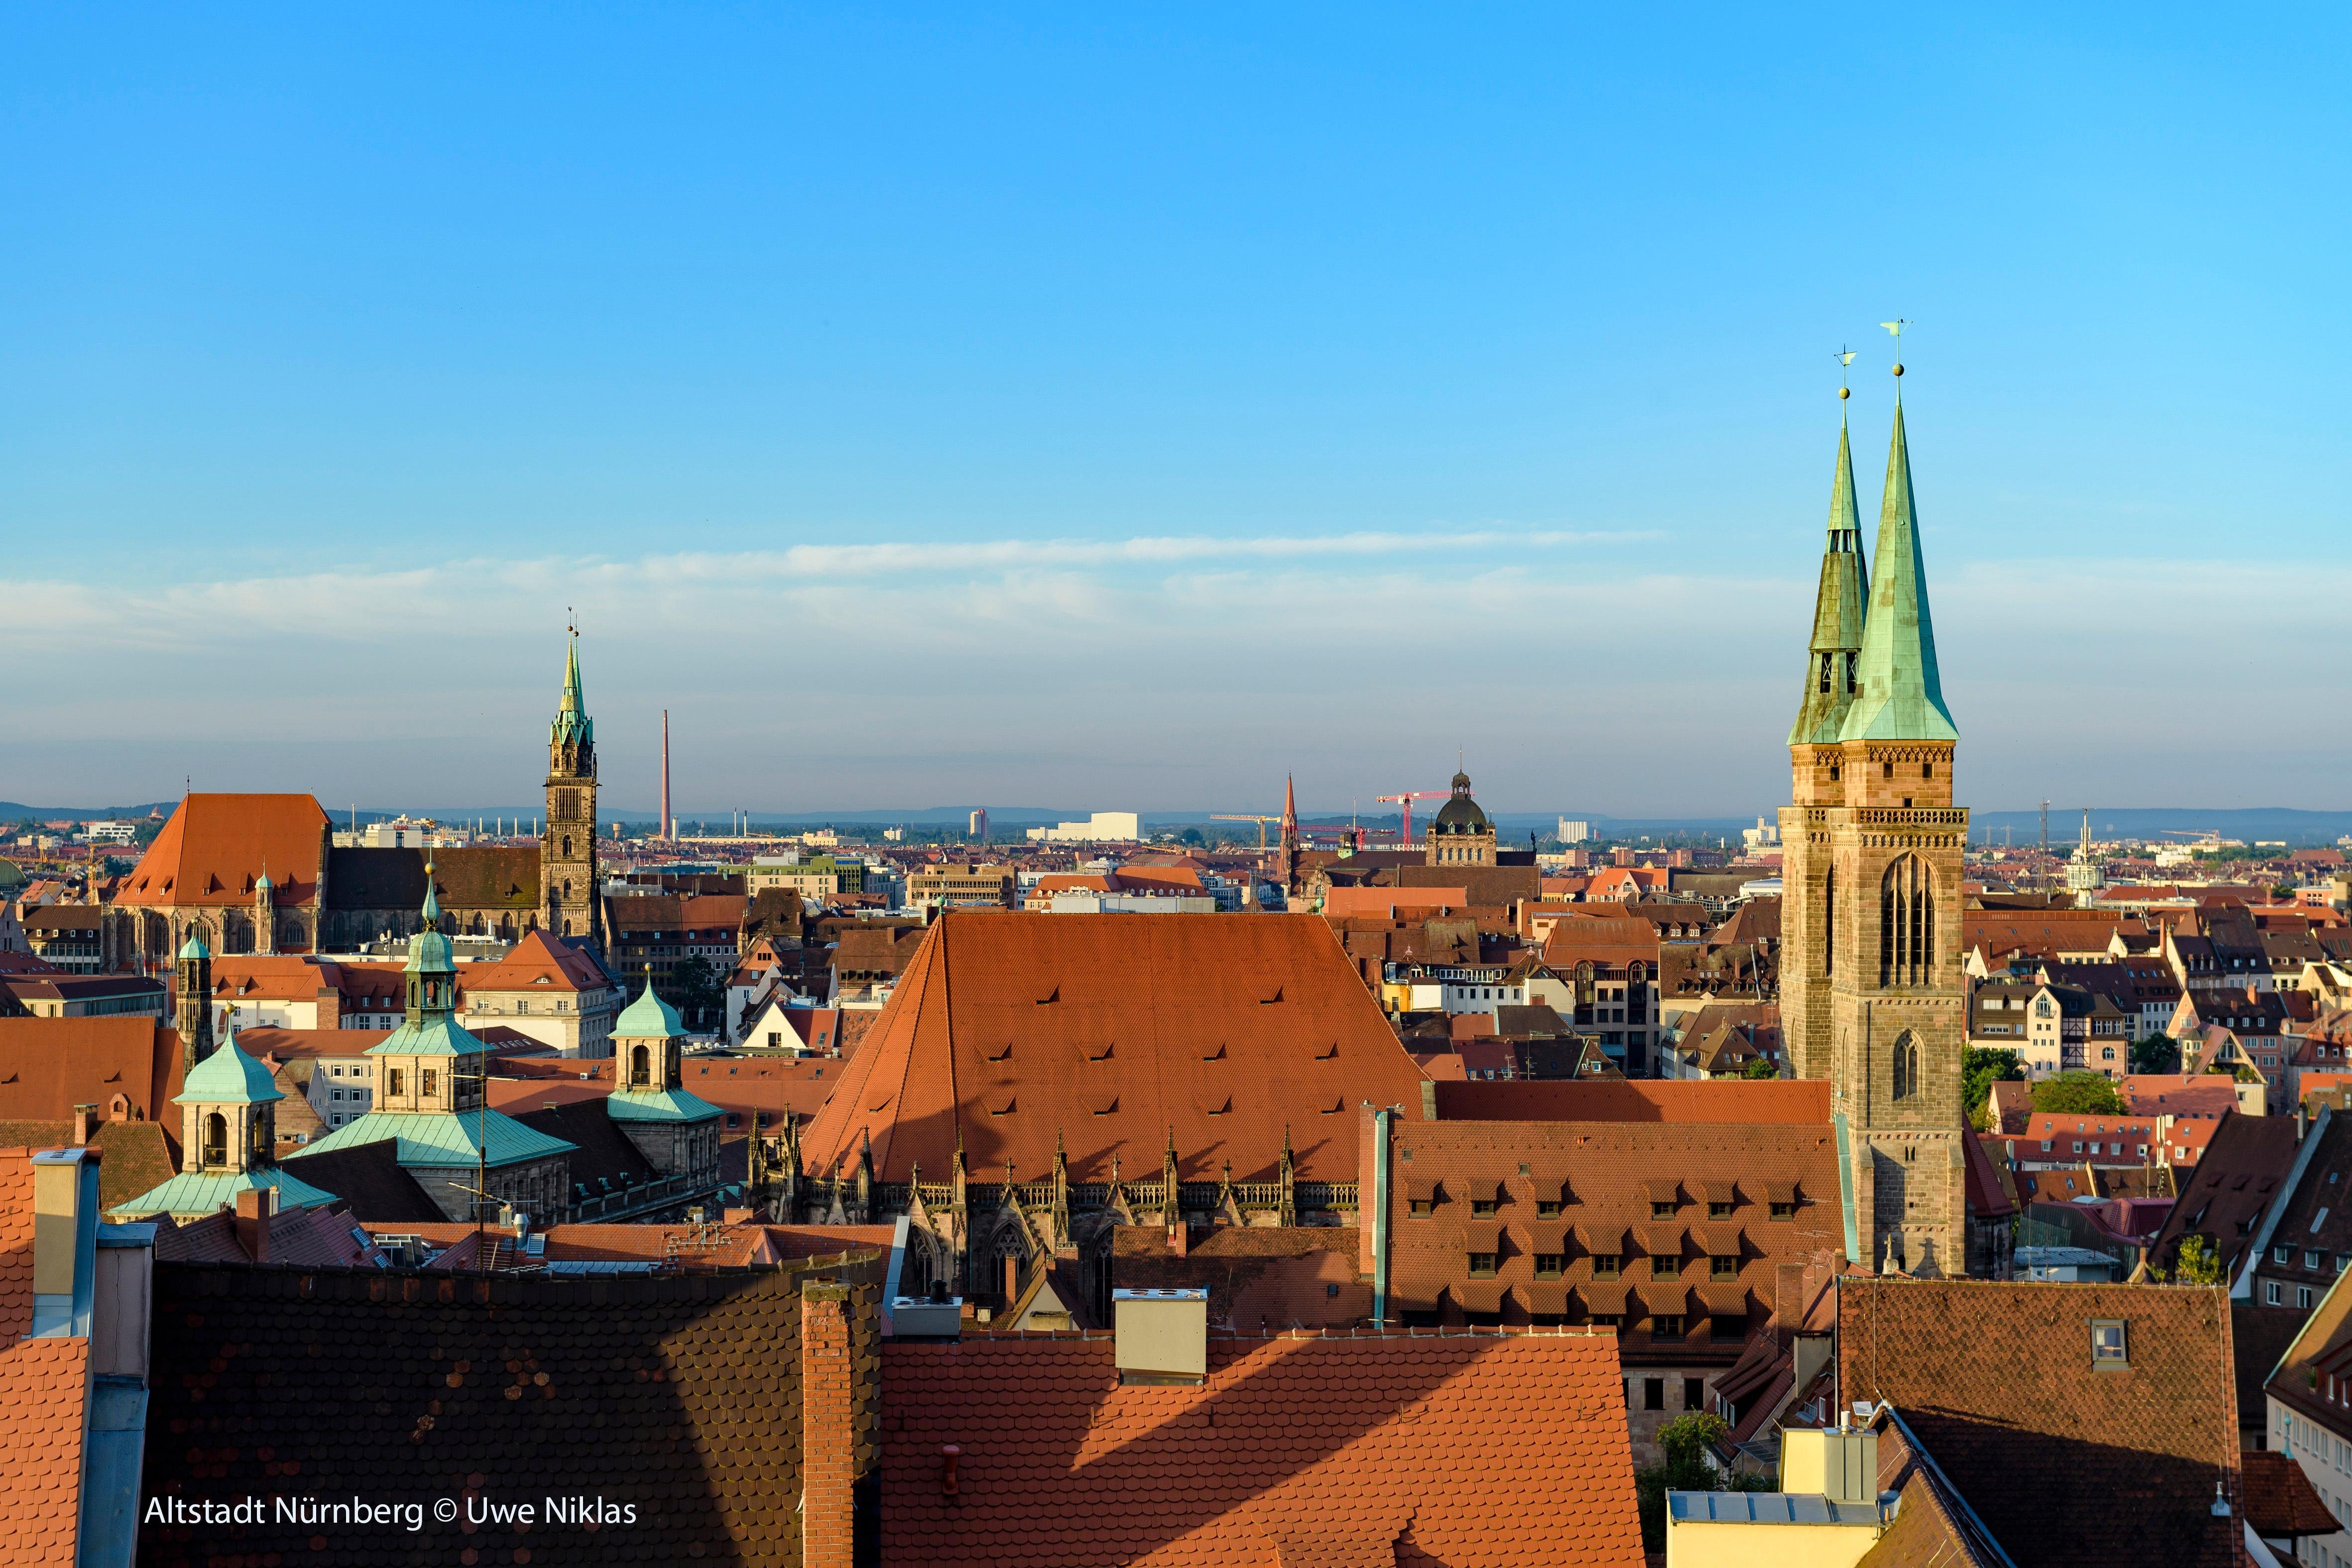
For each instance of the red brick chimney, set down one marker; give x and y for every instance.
(252, 1223)
(828, 1435)
(84, 1116)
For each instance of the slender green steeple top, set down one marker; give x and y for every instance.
(572, 722)
(1900, 695)
(1837, 614)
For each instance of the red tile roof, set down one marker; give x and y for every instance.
(1011, 1029)
(1800, 1101)
(1509, 1451)
(1387, 903)
(2281, 1500)
(214, 846)
(48, 1065)
(44, 1387)
(536, 962)
(2105, 1468)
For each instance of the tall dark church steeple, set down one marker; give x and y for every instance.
(569, 902)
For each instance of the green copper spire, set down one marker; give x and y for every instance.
(1900, 695)
(1836, 646)
(572, 722)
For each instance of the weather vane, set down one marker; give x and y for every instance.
(1845, 358)
(1894, 329)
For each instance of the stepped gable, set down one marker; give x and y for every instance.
(1108, 1031)
(214, 846)
(1493, 1451)
(48, 1065)
(1996, 1382)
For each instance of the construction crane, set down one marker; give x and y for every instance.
(1244, 816)
(1404, 834)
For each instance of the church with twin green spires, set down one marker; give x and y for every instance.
(1872, 994)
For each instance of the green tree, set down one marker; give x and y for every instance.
(1761, 1068)
(2199, 1263)
(1191, 835)
(1980, 1070)
(1685, 1441)
(2078, 1093)
(2156, 1053)
(697, 991)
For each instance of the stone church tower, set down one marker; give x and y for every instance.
(1873, 998)
(569, 902)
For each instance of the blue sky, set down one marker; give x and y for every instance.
(853, 374)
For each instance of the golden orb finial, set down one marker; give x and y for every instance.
(1898, 370)
(1844, 392)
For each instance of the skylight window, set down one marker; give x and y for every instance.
(2109, 1350)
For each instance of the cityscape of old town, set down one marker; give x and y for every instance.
(789, 786)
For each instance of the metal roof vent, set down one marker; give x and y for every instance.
(1162, 1336)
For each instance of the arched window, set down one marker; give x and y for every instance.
(1825, 670)
(1906, 923)
(1907, 1065)
(216, 1140)
(567, 846)
(641, 1071)
(1829, 923)
(260, 1141)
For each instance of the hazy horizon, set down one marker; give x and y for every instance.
(1137, 409)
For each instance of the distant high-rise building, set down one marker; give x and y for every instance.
(1574, 832)
(980, 824)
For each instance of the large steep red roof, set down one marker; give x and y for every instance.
(214, 846)
(1499, 1451)
(48, 1065)
(1107, 1031)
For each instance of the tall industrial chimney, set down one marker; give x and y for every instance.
(668, 827)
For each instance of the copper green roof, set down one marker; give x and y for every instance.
(445, 1138)
(1900, 695)
(194, 946)
(436, 1034)
(227, 1077)
(658, 1105)
(648, 1018)
(572, 721)
(194, 1194)
(1838, 609)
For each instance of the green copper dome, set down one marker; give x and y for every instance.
(648, 1018)
(229, 1077)
(194, 946)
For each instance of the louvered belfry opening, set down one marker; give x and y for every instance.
(1906, 923)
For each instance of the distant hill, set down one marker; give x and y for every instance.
(11, 811)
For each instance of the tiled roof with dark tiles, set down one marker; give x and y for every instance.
(2280, 1502)
(1010, 1029)
(214, 846)
(48, 1065)
(2061, 1458)
(370, 1180)
(43, 1390)
(601, 1152)
(1789, 1101)
(2245, 1162)
(665, 914)
(1471, 1451)
(134, 1157)
(676, 1395)
(1604, 1184)
(306, 1237)
(1931, 1529)
(484, 877)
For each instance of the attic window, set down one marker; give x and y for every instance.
(1661, 1208)
(1100, 1053)
(1000, 1104)
(1270, 1001)
(2108, 1350)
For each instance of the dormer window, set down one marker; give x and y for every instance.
(1661, 1208)
(2109, 1351)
